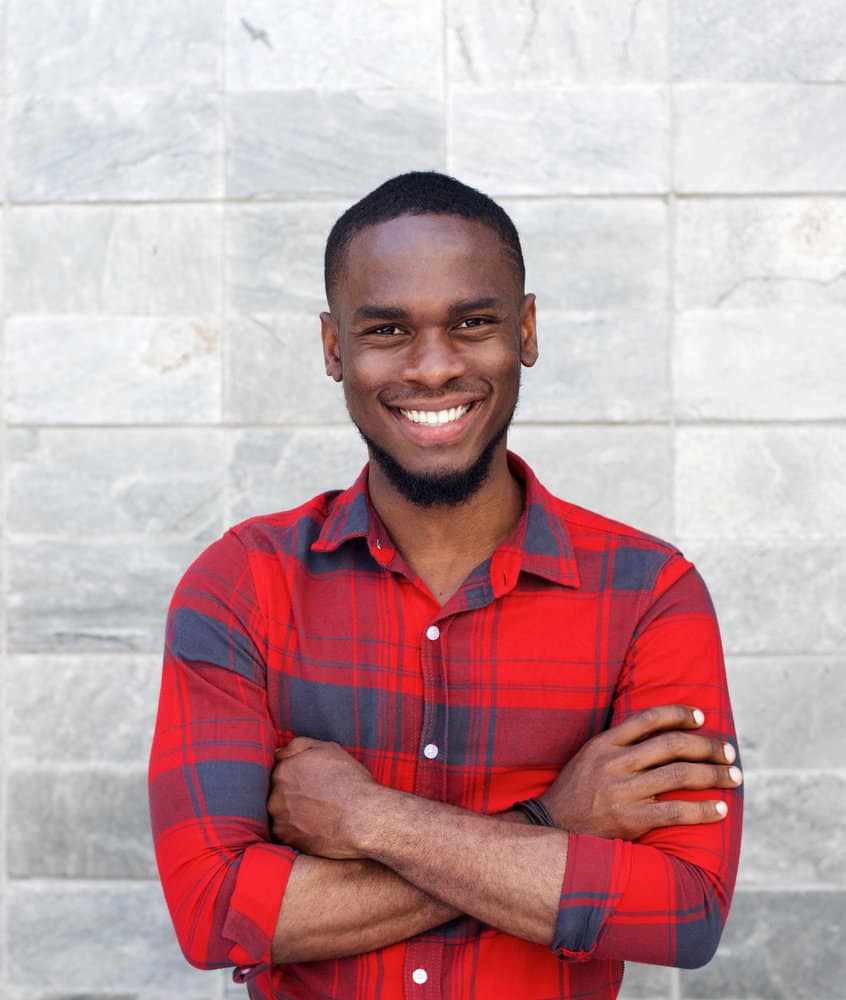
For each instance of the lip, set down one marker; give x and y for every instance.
(435, 433)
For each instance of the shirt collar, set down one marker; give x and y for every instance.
(539, 544)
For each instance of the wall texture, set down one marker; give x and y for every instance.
(170, 169)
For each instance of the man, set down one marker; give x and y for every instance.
(494, 726)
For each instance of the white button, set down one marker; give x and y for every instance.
(432, 632)
(420, 976)
(430, 751)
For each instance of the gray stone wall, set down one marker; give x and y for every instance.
(170, 169)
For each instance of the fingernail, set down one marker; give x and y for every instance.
(735, 775)
(698, 716)
(722, 808)
(729, 752)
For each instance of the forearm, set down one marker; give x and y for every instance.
(506, 874)
(332, 909)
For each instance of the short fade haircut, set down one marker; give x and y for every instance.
(421, 192)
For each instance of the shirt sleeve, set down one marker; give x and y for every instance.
(663, 899)
(211, 759)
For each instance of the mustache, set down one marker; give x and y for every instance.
(428, 396)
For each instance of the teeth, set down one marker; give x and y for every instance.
(433, 417)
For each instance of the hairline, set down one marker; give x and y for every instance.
(343, 250)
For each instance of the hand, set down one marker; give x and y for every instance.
(315, 788)
(610, 788)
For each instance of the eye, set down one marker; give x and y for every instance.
(473, 323)
(388, 330)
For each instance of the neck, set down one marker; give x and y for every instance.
(454, 536)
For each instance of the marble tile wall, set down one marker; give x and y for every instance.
(677, 169)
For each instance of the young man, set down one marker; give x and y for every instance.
(494, 727)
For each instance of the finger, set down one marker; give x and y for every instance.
(676, 812)
(678, 745)
(682, 776)
(656, 719)
(297, 745)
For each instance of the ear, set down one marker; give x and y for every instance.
(331, 337)
(528, 332)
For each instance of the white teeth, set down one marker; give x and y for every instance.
(433, 417)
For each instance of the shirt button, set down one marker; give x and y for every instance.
(420, 976)
(432, 632)
(430, 751)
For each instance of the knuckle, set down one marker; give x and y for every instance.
(675, 811)
(675, 743)
(678, 773)
(649, 716)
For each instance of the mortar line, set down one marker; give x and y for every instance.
(4, 506)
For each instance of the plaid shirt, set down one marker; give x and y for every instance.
(310, 623)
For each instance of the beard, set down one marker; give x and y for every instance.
(437, 489)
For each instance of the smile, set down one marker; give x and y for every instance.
(435, 417)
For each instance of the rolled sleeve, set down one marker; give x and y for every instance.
(594, 882)
(254, 905)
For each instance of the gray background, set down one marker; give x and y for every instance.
(170, 170)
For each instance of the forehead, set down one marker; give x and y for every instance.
(441, 254)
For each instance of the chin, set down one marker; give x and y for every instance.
(436, 488)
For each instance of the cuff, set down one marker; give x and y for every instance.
(596, 876)
(254, 907)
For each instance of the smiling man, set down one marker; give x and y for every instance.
(441, 734)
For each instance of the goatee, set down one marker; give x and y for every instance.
(436, 489)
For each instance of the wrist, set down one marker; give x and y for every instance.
(368, 816)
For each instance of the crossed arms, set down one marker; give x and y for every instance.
(383, 865)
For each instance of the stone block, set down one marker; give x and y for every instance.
(102, 146)
(90, 596)
(275, 256)
(776, 138)
(753, 253)
(620, 472)
(793, 354)
(545, 44)
(777, 946)
(773, 41)
(594, 255)
(72, 823)
(205, 989)
(114, 259)
(580, 141)
(276, 374)
(305, 142)
(777, 597)
(596, 367)
(118, 935)
(126, 370)
(646, 982)
(127, 481)
(793, 829)
(278, 469)
(96, 708)
(758, 483)
(789, 710)
(234, 991)
(332, 45)
(115, 45)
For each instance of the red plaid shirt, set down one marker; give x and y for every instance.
(309, 623)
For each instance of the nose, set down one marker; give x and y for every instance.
(433, 360)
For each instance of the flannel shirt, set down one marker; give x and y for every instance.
(309, 623)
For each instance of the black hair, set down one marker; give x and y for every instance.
(419, 193)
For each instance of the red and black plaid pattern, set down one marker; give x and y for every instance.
(309, 623)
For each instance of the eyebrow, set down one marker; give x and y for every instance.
(380, 312)
(368, 311)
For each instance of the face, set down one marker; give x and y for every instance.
(427, 332)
